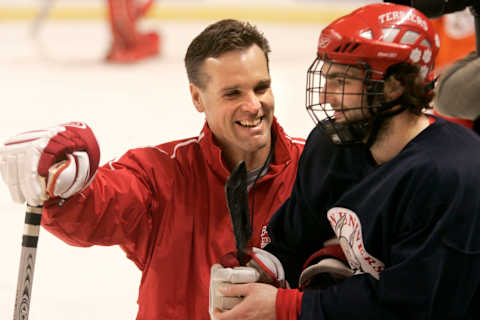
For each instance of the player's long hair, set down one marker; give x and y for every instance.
(417, 94)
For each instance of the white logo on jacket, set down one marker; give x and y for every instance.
(347, 227)
(265, 237)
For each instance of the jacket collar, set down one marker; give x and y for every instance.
(214, 155)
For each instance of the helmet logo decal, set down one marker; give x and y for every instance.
(427, 55)
(424, 71)
(387, 54)
(415, 55)
(323, 42)
(401, 15)
(437, 40)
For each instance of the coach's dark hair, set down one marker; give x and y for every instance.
(219, 38)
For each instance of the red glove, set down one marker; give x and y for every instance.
(324, 268)
(57, 161)
(263, 267)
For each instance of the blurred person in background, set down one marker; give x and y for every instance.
(457, 37)
(128, 43)
(456, 93)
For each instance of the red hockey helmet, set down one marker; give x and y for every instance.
(380, 35)
(371, 38)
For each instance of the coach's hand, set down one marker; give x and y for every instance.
(54, 162)
(230, 286)
(258, 302)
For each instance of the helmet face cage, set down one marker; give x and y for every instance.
(349, 130)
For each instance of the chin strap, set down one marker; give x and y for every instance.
(431, 85)
(385, 111)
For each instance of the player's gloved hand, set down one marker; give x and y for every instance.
(54, 162)
(263, 267)
(324, 268)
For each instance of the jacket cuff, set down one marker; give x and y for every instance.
(288, 304)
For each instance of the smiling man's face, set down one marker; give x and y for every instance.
(237, 100)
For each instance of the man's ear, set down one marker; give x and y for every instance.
(196, 94)
(393, 88)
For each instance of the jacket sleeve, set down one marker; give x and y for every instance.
(116, 208)
(299, 228)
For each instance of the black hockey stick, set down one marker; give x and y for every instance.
(31, 232)
(237, 203)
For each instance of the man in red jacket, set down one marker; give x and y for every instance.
(165, 205)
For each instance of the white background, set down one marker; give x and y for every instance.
(61, 77)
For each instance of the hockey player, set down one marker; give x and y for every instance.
(165, 205)
(128, 43)
(409, 225)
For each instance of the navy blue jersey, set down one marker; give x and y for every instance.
(410, 229)
(299, 225)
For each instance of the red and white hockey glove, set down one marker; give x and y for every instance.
(324, 268)
(54, 162)
(263, 267)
